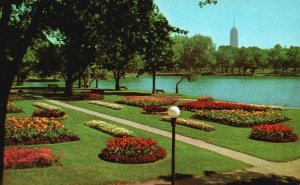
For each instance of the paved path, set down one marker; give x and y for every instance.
(279, 168)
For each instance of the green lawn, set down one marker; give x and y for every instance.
(80, 163)
(225, 136)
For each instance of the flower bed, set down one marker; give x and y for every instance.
(108, 128)
(46, 106)
(49, 114)
(91, 96)
(15, 158)
(143, 101)
(132, 150)
(107, 105)
(240, 118)
(36, 130)
(11, 108)
(154, 109)
(191, 123)
(206, 98)
(212, 105)
(273, 133)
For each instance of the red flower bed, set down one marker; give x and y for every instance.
(132, 150)
(154, 109)
(273, 133)
(91, 96)
(15, 158)
(49, 113)
(198, 105)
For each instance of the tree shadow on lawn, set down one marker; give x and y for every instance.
(232, 178)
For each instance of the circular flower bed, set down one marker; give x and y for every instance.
(131, 150)
(91, 96)
(273, 133)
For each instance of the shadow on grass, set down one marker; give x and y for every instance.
(232, 178)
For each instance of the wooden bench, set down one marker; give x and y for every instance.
(97, 91)
(123, 87)
(54, 87)
(85, 86)
(160, 91)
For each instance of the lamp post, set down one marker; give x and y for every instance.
(173, 112)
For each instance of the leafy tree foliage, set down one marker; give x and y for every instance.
(192, 54)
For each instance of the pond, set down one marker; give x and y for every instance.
(275, 90)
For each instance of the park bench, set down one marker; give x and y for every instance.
(54, 87)
(97, 91)
(160, 91)
(123, 87)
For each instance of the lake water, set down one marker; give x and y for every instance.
(284, 91)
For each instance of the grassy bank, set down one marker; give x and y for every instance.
(225, 136)
(81, 165)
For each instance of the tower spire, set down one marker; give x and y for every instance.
(233, 21)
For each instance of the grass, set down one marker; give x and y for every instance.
(225, 136)
(81, 165)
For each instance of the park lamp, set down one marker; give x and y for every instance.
(173, 112)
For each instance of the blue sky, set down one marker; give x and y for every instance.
(261, 23)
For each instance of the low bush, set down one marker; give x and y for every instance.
(132, 150)
(49, 113)
(36, 130)
(15, 158)
(91, 96)
(143, 101)
(212, 105)
(108, 128)
(107, 105)
(273, 133)
(46, 106)
(240, 118)
(11, 108)
(206, 98)
(191, 123)
(154, 109)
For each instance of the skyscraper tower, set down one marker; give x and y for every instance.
(234, 36)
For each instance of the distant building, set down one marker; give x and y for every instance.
(234, 37)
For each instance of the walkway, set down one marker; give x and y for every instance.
(279, 168)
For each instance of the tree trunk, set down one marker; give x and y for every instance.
(154, 82)
(79, 82)
(7, 74)
(69, 87)
(96, 82)
(244, 70)
(177, 89)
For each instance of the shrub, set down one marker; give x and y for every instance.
(36, 130)
(108, 105)
(191, 123)
(206, 98)
(91, 96)
(11, 108)
(132, 150)
(200, 105)
(15, 158)
(273, 133)
(108, 128)
(49, 113)
(240, 118)
(46, 106)
(143, 101)
(154, 109)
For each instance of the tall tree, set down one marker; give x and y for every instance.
(157, 47)
(278, 57)
(124, 25)
(226, 57)
(196, 54)
(294, 57)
